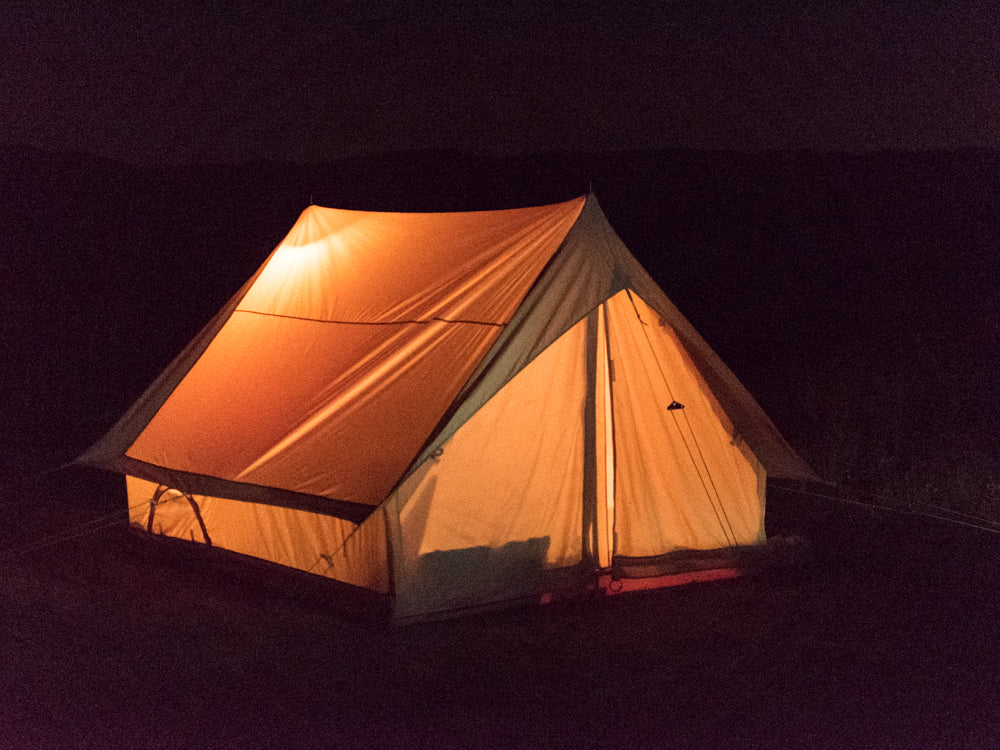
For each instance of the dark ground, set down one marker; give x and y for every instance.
(887, 638)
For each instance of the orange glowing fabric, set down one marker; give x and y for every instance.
(349, 347)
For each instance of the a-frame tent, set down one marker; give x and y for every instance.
(453, 410)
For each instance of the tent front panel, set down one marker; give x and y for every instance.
(684, 480)
(501, 503)
(314, 543)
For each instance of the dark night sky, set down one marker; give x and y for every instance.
(194, 83)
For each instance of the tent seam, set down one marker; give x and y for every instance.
(417, 321)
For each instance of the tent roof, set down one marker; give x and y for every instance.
(430, 314)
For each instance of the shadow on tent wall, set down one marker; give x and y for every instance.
(449, 581)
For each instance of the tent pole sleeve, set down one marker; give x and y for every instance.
(590, 490)
(609, 427)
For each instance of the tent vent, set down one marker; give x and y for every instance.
(674, 406)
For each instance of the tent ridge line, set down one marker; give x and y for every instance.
(410, 321)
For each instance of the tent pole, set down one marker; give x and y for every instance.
(590, 490)
(609, 440)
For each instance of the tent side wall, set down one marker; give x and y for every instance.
(591, 266)
(311, 542)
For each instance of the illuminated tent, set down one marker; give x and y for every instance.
(453, 410)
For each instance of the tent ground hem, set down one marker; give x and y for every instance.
(776, 552)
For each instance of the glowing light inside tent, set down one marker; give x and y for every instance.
(295, 280)
(362, 267)
(312, 257)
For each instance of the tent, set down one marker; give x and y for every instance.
(452, 410)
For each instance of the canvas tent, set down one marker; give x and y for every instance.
(451, 410)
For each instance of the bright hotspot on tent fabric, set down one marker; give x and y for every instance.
(454, 411)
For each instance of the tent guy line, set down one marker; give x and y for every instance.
(995, 529)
